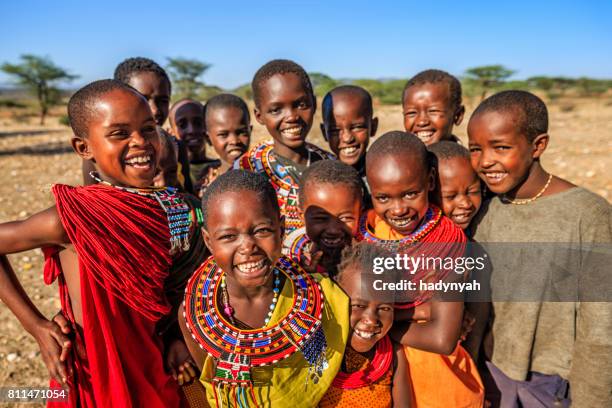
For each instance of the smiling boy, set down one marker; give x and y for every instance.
(348, 124)
(187, 125)
(331, 196)
(110, 247)
(508, 134)
(285, 104)
(431, 104)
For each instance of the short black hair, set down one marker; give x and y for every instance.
(531, 111)
(226, 100)
(351, 90)
(280, 66)
(446, 150)
(180, 102)
(330, 172)
(436, 76)
(81, 103)
(132, 66)
(236, 181)
(398, 143)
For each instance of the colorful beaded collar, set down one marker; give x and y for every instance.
(180, 218)
(238, 350)
(431, 219)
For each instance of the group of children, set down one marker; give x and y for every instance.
(278, 309)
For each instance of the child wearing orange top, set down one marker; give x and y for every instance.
(400, 176)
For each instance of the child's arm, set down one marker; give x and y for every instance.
(40, 230)
(401, 391)
(437, 335)
(479, 311)
(197, 353)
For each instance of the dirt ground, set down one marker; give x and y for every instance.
(33, 157)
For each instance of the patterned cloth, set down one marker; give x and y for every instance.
(262, 159)
(375, 395)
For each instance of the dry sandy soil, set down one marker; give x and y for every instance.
(33, 157)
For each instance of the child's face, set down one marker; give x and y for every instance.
(500, 154)
(370, 320)
(399, 187)
(229, 131)
(459, 190)
(156, 91)
(331, 215)
(188, 126)
(428, 112)
(349, 127)
(122, 139)
(286, 109)
(168, 166)
(244, 236)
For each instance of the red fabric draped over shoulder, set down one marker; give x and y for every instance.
(122, 243)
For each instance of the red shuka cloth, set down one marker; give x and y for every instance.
(122, 243)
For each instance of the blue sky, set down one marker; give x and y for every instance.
(346, 39)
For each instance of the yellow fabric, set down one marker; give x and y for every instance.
(375, 395)
(437, 381)
(286, 383)
(380, 228)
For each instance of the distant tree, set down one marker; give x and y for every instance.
(244, 91)
(322, 83)
(41, 76)
(488, 76)
(185, 75)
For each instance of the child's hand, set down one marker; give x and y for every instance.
(468, 323)
(180, 363)
(55, 346)
(312, 264)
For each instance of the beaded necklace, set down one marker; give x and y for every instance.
(229, 310)
(378, 367)
(177, 211)
(527, 200)
(262, 159)
(431, 219)
(237, 351)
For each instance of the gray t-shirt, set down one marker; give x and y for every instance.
(573, 338)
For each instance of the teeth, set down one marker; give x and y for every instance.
(349, 150)
(250, 266)
(425, 134)
(364, 334)
(462, 217)
(139, 160)
(293, 131)
(401, 222)
(332, 241)
(495, 176)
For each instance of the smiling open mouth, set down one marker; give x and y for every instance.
(364, 334)
(462, 218)
(494, 177)
(252, 268)
(349, 151)
(292, 132)
(332, 242)
(140, 162)
(425, 135)
(401, 222)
